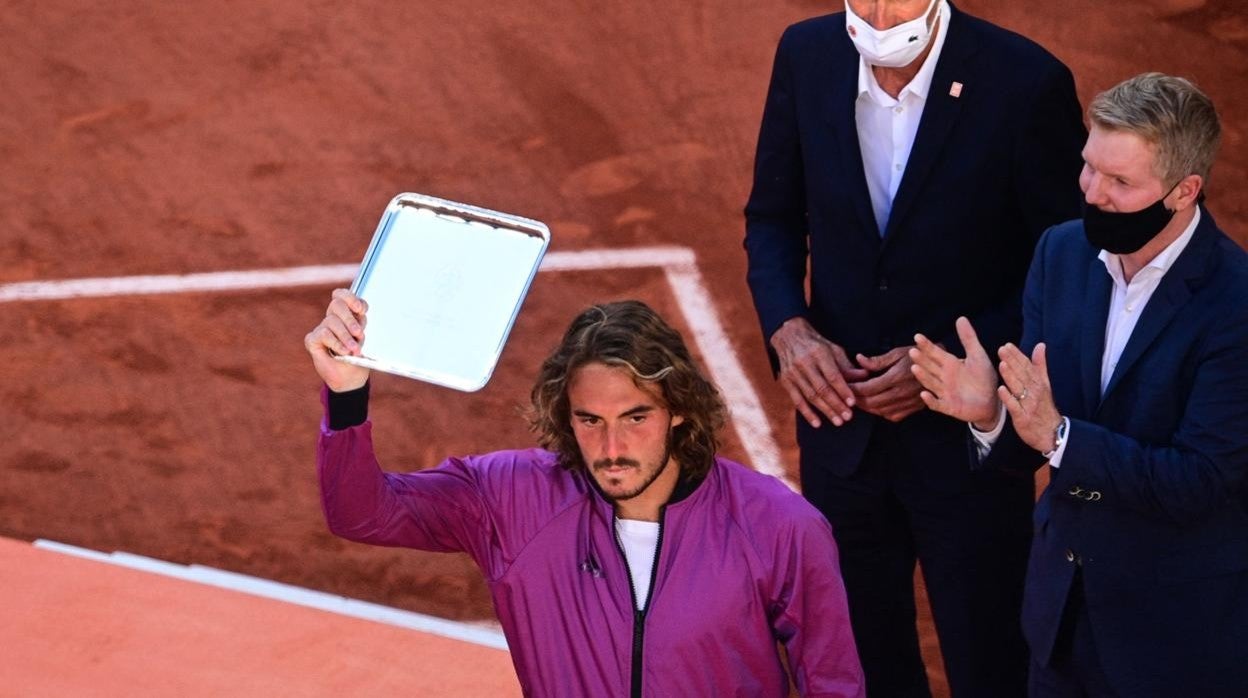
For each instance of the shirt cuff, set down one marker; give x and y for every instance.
(985, 439)
(347, 409)
(1055, 460)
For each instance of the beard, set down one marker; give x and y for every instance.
(600, 465)
(630, 463)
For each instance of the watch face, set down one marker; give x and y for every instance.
(1059, 437)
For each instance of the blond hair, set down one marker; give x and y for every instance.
(1169, 113)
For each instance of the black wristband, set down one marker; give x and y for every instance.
(347, 409)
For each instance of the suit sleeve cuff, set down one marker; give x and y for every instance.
(984, 440)
(347, 409)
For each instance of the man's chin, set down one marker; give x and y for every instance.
(618, 491)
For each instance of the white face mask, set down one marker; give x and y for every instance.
(889, 48)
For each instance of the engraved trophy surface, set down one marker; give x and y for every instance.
(444, 282)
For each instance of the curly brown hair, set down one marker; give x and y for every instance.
(631, 335)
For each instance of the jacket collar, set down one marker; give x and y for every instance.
(1187, 274)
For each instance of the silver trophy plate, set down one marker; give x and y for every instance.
(444, 282)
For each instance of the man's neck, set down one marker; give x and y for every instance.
(647, 505)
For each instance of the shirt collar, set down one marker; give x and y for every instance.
(1161, 263)
(922, 82)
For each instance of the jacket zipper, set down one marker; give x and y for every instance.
(639, 616)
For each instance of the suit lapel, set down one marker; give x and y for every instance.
(1171, 295)
(939, 115)
(843, 122)
(1092, 333)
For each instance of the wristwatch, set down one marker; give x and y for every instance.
(1059, 437)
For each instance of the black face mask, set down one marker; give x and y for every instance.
(1124, 233)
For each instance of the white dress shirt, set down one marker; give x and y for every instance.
(1126, 303)
(887, 126)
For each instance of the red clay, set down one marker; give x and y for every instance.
(83, 628)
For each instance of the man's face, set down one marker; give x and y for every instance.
(622, 431)
(1118, 174)
(886, 14)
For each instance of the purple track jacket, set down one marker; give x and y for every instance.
(742, 563)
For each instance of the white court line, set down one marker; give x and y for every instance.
(678, 263)
(309, 276)
(177, 283)
(748, 418)
(487, 635)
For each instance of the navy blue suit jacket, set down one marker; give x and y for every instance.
(989, 171)
(1163, 542)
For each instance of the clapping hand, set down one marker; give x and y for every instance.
(964, 389)
(1028, 396)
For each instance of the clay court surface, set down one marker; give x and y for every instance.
(145, 138)
(85, 628)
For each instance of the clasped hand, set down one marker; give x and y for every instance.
(820, 378)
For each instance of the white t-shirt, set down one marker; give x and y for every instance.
(639, 539)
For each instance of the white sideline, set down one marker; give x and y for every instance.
(484, 634)
(678, 263)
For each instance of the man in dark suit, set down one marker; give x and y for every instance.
(912, 155)
(1136, 393)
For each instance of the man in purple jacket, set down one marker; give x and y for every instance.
(623, 557)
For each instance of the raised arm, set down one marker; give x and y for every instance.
(341, 333)
(438, 509)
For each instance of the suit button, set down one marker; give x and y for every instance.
(883, 284)
(1070, 556)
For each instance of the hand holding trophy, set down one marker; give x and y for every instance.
(440, 287)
